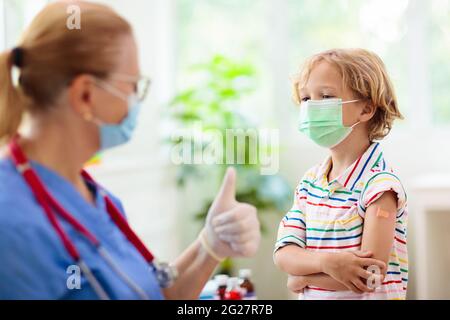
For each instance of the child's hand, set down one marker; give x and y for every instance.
(297, 283)
(349, 268)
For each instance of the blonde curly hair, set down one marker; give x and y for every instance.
(365, 74)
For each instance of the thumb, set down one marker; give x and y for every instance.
(226, 197)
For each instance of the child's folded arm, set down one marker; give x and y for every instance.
(297, 261)
(345, 267)
(325, 281)
(321, 280)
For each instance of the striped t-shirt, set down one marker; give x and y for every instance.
(329, 217)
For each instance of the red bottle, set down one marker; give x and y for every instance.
(221, 281)
(234, 291)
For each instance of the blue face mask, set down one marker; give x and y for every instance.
(113, 135)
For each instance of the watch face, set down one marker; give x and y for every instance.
(165, 274)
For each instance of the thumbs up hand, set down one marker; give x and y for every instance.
(232, 228)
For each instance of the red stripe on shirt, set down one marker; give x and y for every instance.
(392, 281)
(353, 170)
(327, 205)
(401, 241)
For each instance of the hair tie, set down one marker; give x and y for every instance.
(17, 57)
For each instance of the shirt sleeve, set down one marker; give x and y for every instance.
(376, 186)
(292, 228)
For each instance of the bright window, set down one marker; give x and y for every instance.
(14, 16)
(439, 63)
(411, 36)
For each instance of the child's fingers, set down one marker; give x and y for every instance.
(367, 262)
(352, 287)
(367, 274)
(360, 285)
(295, 284)
(362, 273)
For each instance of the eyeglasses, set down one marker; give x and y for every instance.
(141, 84)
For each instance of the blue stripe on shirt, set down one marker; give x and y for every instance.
(364, 167)
(393, 272)
(297, 219)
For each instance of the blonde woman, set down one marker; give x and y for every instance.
(81, 90)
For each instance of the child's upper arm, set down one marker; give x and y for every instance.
(382, 203)
(379, 226)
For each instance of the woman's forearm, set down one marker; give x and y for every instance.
(299, 262)
(195, 267)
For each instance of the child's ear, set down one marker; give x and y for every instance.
(368, 111)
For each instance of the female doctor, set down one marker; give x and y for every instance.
(81, 92)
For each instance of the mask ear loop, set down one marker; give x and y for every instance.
(352, 101)
(351, 127)
(114, 91)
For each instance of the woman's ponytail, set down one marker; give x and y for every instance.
(50, 56)
(11, 104)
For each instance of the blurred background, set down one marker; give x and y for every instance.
(228, 64)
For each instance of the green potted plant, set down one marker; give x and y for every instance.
(213, 102)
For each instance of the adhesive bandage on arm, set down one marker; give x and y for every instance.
(382, 213)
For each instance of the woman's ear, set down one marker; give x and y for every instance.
(368, 111)
(80, 94)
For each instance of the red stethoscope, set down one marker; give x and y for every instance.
(165, 273)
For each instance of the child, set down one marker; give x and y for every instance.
(345, 236)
